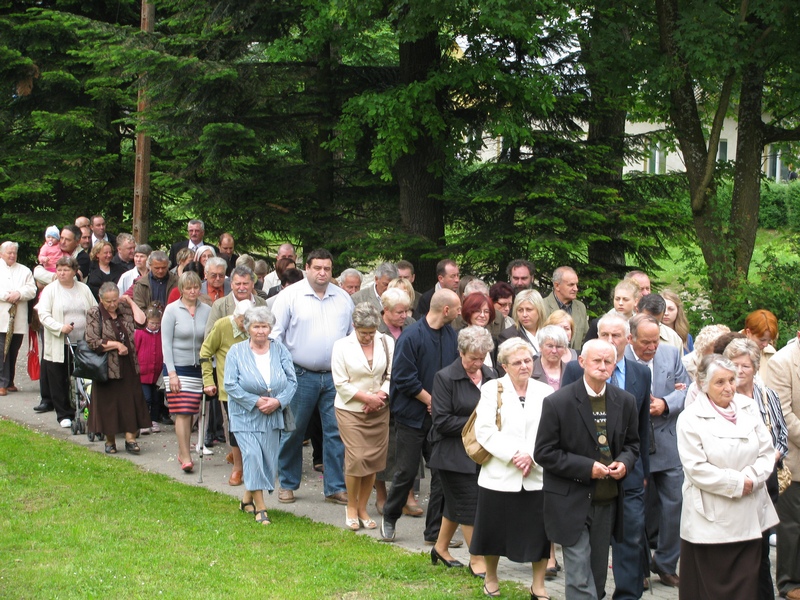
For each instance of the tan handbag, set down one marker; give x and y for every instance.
(473, 448)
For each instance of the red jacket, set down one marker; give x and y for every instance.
(150, 355)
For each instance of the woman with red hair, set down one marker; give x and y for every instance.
(761, 326)
(478, 309)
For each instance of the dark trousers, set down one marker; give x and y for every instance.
(629, 555)
(787, 564)
(151, 396)
(766, 587)
(8, 364)
(215, 429)
(54, 386)
(231, 438)
(411, 443)
(314, 433)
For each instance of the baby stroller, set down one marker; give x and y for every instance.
(80, 393)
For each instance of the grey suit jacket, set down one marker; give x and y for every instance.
(225, 306)
(578, 315)
(367, 294)
(668, 370)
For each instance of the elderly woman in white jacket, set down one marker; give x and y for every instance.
(509, 520)
(16, 289)
(727, 456)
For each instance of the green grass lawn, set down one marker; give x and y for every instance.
(79, 524)
(676, 267)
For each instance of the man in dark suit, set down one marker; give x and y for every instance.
(629, 563)
(667, 396)
(197, 231)
(587, 443)
(448, 274)
(99, 233)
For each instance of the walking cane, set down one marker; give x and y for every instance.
(201, 432)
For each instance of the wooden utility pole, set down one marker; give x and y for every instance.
(141, 176)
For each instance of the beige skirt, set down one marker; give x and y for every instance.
(366, 441)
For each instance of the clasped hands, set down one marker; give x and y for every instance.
(523, 462)
(374, 401)
(267, 405)
(616, 470)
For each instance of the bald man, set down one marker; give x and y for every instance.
(425, 348)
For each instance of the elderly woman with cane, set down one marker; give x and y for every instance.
(260, 380)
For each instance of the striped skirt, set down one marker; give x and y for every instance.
(187, 401)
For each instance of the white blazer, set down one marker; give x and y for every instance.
(517, 433)
(716, 456)
(352, 374)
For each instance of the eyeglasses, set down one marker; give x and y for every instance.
(216, 276)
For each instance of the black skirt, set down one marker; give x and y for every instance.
(460, 496)
(510, 524)
(118, 405)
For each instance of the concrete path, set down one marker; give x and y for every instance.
(159, 456)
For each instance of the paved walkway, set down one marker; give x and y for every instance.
(158, 456)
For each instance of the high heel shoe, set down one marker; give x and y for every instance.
(351, 524)
(436, 557)
(475, 574)
(536, 597)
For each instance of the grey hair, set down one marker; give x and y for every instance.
(350, 273)
(262, 268)
(198, 254)
(157, 256)
(744, 347)
(123, 238)
(216, 261)
(597, 344)
(710, 364)
(242, 307)
(476, 285)
(242, 271)
(475, 339)
(386, 269)
(366, 316)
(637, 320)
(559, 273)
(614, 317)
(509, 347)
(6, 245)
(108, 286)
(394, 296)
(554, 333)
(143, 249)
(258, 314)
(197, 222)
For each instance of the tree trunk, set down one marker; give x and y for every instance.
(418, 172)
(747, 175)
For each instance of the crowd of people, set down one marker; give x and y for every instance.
(678, 452)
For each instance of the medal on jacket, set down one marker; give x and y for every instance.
(602, 439)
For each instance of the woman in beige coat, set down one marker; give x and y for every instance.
(727, 456)
(361, 365)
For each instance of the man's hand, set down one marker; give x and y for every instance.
(657, 406)
(210, 390)
(599, 470)
(617, 470)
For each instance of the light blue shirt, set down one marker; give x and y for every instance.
(309, 325)
(619, 371)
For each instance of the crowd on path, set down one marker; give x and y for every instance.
(680, 453)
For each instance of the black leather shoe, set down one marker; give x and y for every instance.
(387, 531)
(436, 557)
(43, 408)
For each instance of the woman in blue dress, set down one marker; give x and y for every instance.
(260, 382)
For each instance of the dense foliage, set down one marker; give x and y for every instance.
(485, 130)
